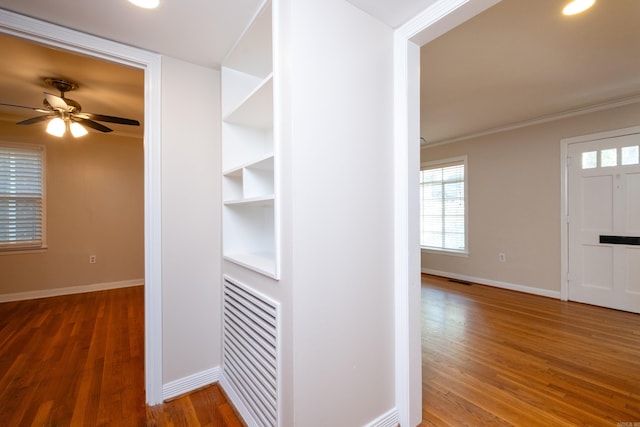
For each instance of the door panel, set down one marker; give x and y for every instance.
(633, 203)
(604, 200)
(633, 272)
(597, 267)
(597, 203)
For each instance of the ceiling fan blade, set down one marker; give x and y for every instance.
(111, 119)
(36, 119)
(92, 124)
(56, 102)
(40, 110)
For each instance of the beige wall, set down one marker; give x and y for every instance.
(95, 206)
(514, 200)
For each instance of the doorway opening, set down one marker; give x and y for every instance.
(430, 24)
(442, 18)
(83, 44)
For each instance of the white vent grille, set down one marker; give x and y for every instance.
(250, 351)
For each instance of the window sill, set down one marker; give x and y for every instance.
(461, 254)
(24, 251)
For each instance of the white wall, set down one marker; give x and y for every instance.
(514, 201)
(338, 214)
(191, 200)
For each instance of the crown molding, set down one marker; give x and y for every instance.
(607, 105)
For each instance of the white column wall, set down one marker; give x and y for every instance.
(340, 197)
(191, 198)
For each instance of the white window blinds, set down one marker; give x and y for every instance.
(21, 197)
(442, 206)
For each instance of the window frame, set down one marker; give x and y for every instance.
(439, 164)
(26, 249)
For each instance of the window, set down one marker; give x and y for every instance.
(609, 157)
(630, 155)
(22, 197)
(443, 208)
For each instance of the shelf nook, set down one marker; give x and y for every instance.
(249, 183)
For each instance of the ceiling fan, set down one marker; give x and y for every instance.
(66, 114)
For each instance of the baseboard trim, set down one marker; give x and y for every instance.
(389, 419)
(193, 382)
(495, 283)
(46, 293)
(190, 383)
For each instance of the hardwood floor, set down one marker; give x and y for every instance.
(493, 357)
(78, 360)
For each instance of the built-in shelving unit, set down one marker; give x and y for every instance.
(249, 187)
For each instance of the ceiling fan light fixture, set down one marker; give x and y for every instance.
(577, 6)
(56, 127)
(146, 4)
(67, 112)
(77, 130)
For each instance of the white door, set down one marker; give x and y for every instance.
(604, 222)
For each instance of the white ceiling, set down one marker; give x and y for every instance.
(196, 31)
(523, 60)
(516, 61)
(394, 13)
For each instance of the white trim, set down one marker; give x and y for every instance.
(602, 135)
(70, 290)
(564, 197)
(431, 23)
(459, 254)
(190, 383)
(74, 41)
(496, 284)
(564, 225)
(408, 376)
(389, 419)
(443, 163)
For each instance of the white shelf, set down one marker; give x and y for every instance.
(237, 170)
(256, 110)
(253, 180)
(252, 201)
(250, 197)
(263, 263)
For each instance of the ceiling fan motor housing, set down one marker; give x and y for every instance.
(73, 106)
(63, 86)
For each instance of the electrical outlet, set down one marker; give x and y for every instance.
(92, 259)
(502, 257)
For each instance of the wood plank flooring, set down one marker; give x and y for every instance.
(493, 357)
(78, 360)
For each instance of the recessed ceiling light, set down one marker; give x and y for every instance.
(147, 4)
(577, 6)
